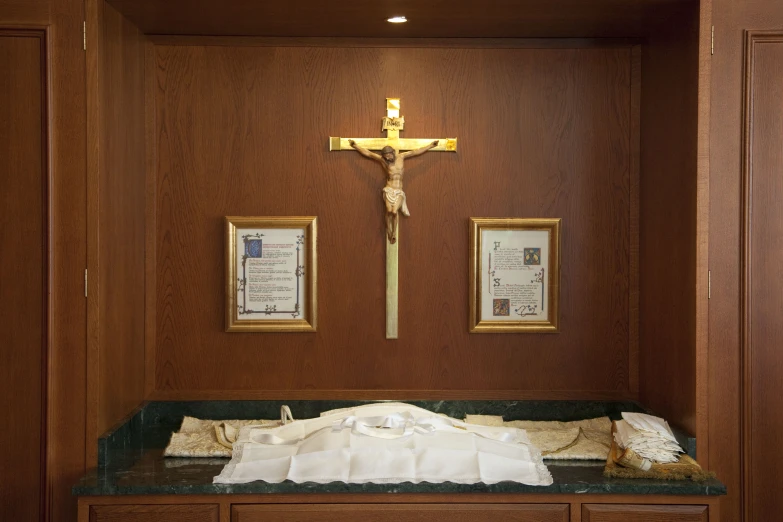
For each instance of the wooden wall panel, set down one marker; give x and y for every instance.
(23, 271)
(543, 133)
(731, 19)
(763, 284)
(67, 360)
(668, 197)
(34, 12)
(121, 201)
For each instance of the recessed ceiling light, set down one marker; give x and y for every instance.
(397, 19)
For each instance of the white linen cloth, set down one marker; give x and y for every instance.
(650, 437)
(384, 443)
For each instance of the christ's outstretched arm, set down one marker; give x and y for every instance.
(364, 152)
(418, 152)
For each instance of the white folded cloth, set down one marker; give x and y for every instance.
(649, 436)
(384, 443)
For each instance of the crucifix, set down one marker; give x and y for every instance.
(391, 159)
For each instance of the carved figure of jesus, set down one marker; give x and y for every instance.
(393, 197)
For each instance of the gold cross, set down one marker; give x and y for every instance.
(393, 123)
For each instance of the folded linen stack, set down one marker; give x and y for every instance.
(648, 436)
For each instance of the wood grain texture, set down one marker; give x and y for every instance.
(667, 330)
(94, 19)
(635, 144)
(150, 214)
(23, 271)
(122, 218)
(24, 12)
(142, 513)
(731, 18)
(572, 504)
(385, 394)
(66, 422)
(402, 513)
(243, 131)
(702, 233)
(629, 512)
(762, 286)
(436, 18)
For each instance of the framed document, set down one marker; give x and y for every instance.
(271, 274)
(514, 275)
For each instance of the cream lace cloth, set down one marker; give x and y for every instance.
(209, 438)
(588, 439)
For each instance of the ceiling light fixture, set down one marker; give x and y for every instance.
(397, 19)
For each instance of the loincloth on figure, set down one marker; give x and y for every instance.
(393, 196)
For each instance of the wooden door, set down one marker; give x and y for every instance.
(23, 269)
(745, 359)
(762, 341)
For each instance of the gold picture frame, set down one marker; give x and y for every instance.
(287, 276)
(504, 292)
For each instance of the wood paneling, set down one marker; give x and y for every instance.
(15, 12)
(435, 18)
(150, 225)
(543, 133)
(173, 513)
(23, 271)
(667, 361)
(67, 360)
(762, 281)
(379, 395)
(117, 210)
(467, 504)
(631, 513)
(702, 289)
(405, 513)
(731, 18)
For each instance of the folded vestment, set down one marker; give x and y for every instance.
(588, 439)
(384, 443)
(208, 438)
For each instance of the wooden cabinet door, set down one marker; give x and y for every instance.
(632, 513)
(402, 513)
(23, 267)
(160, 513)
(746, 242)
(763, 289)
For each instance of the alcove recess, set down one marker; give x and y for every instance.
(595, 113)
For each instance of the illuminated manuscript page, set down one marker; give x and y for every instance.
(514, 275)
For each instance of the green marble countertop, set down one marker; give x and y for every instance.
(152, 474)
(131, 458)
